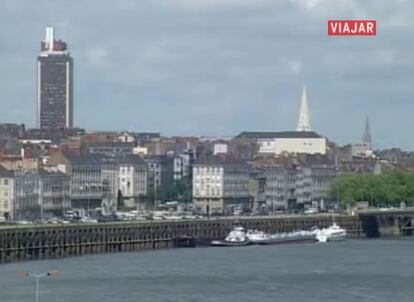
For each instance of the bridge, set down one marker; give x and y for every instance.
(387, 221)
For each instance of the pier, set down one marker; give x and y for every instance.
(35, 242)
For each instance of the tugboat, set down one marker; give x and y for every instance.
(332, 233)
(237, 237)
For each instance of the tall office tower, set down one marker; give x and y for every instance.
(54, 84)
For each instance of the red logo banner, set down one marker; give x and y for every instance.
(352, 27)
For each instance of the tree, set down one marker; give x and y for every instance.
(181, 190)
(387, 189)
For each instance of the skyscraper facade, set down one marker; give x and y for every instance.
(54, 84)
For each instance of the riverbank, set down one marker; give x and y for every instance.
(35, 242)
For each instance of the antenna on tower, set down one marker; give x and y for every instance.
(50, 37)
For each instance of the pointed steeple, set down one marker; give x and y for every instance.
(366, 138)
(304, 120)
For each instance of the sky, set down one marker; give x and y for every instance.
(218, 67)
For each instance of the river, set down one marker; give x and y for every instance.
(354, 270)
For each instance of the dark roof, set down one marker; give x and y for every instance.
(131, 159)
(99, 159)
(112, 145)
(87, 158)
(45, 173)
(147, 135)
(219, 160)
(6, 173)
(283, 134)
(158, 159)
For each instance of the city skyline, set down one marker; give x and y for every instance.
(140, 138)
(182, 74)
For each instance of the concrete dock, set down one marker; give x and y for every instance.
(32, 242)
(48, 241)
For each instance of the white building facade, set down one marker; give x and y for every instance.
(220, 148)
(307, 142)
(311, 145)
(133, 180)
(6, 194)
(221, 187)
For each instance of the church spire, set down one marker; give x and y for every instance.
(304, 120)
(366, 138)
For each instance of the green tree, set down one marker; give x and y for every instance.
(181, 190)
(389, 188)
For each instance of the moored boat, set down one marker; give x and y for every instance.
(237, 237)
(261, 238)
(332, 233)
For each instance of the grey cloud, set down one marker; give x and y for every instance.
(218, 67)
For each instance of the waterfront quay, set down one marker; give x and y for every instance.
(35, 242)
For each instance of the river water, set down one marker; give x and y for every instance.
(354, 270)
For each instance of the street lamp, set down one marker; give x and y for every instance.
(37, 277)
(337, 179)
(87, 189)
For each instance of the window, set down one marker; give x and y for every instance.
(6, 181)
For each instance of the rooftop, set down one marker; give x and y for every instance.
(51, 172)
(5, 173)
(219, 160)
(272, 135)
(97, 158)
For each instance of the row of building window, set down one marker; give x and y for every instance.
(208, 192)
(4, 182)
(266, 143)
(208, 181)
(127, 169)
(207, 170)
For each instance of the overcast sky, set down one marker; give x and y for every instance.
(218, 67)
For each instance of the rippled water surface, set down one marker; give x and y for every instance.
(364, 270)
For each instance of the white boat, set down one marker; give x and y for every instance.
(88, 219)
(262, 238)
(257, 236)
(173, 217)
(332, 233)
(237, 237)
